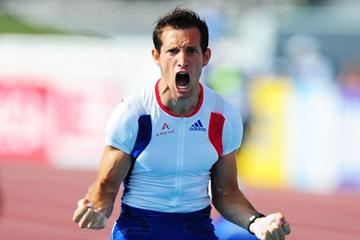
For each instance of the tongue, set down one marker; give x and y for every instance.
(182, 79)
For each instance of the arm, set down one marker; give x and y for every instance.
(98, 203)
(235, 207)
(226, 196)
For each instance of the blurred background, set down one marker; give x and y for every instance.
(292, 68)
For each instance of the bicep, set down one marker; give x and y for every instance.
(224, 176)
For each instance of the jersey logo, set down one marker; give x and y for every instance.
(165, 126)
(197, 126)
(165, 130)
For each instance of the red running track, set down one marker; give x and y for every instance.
(37, 202)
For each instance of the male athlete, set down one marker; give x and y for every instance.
(166, 143)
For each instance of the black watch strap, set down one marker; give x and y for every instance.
(252, 219)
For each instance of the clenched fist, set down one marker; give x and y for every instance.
(86, 215)
(271, 227)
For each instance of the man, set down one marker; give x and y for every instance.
(165, 144)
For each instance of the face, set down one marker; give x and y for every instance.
(181, 61)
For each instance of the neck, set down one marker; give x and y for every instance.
(181, 107)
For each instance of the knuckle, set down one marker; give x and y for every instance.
(81, 202)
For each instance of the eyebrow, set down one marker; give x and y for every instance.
(184, 46)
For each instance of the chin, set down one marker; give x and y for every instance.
(183, 94)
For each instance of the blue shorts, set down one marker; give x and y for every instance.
(140, 224)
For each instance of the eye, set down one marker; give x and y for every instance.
(192, 50)
(172, 51)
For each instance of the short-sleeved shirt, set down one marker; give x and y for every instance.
(172, 155)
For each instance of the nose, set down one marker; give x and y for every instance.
(182, 60)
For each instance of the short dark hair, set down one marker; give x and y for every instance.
(181, 18)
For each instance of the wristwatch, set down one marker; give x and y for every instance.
(252, 219)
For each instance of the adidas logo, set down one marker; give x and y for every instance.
(197, 126)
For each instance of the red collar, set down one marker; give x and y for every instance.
(201, 98)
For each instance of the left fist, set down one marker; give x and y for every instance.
(271, 227)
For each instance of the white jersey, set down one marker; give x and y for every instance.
(172, 155)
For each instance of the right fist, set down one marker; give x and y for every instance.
(86, 215)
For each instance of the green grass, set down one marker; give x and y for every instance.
(12, 24)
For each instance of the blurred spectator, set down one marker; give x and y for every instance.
(349, 128)
(307, 64)
(349, 79)
(311, 145)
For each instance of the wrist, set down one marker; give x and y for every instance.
(251, 220)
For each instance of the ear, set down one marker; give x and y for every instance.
(206, 57)
(156, 56)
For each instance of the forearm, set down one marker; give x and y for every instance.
(102, 196)
(114, 167)
(234, 207)
(226, 195)
(98, 203)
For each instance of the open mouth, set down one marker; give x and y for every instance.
(182, 80)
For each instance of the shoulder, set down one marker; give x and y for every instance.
(220, 104)
(137, 103)
(122, 126)
(130, 108)
(233, 126)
